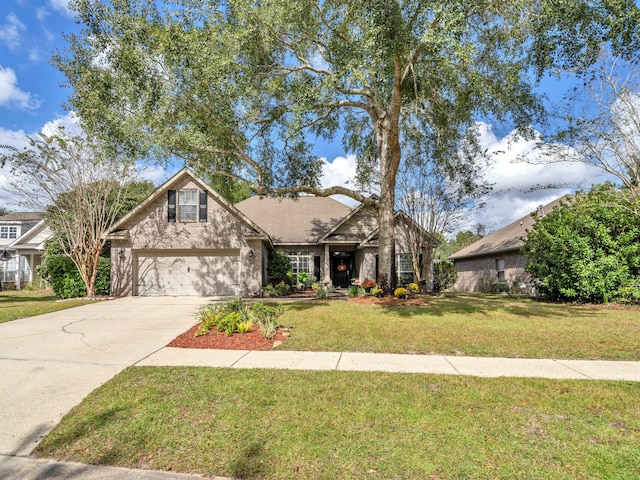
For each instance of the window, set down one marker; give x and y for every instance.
(301, 262)
(8, 232)
(404, 268)
(188, 205)
(500, 268)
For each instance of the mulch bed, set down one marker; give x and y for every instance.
(252, 340)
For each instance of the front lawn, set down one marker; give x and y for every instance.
(16, 304)
(344, 425)
(467, 325)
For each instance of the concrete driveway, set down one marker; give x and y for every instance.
(49, 363)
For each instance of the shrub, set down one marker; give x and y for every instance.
(401, 292)
(322, 292)
(265, 316)
(444, 275)
(587, 250)
(244, 327)
(278, 267)
(229, 323)
(65, 280)
(354, 291)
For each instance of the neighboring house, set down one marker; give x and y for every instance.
(185, 239)
(497, 257)
(22, 236)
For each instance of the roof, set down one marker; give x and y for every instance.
(33, 239)
(21, 217)
(301, 220)
(507, 239)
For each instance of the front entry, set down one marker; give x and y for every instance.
(342, 269)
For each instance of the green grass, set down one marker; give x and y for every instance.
(27, 303)
(467, 325)
(339, 425)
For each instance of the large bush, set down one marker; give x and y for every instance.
(587, 250)
(64, 278)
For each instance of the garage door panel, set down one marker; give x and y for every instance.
(188, 275)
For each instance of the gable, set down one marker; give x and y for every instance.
(185, 213)
(355, 228)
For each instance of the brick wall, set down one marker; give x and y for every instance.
(478, 273)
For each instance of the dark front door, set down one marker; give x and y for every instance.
(342, 269)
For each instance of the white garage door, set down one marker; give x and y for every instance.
(202, 273)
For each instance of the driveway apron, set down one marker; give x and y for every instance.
(49, 363)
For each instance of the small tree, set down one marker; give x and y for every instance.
(80, 190)
(588, 250)
(438, 196)
(602, 121)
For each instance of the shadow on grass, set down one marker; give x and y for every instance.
(10, 297)
(249, 461)
(457, 304)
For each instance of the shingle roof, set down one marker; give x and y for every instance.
(302, 220)
(509, 238)
(21, 217)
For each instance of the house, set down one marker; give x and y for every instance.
(185, 239)
(497, 258)
(22, 237)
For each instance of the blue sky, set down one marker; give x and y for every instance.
(31, 100)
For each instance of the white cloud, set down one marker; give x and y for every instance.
(11, 95)
(519, 185)
(61, 6)
(340, 172)
(10, 32)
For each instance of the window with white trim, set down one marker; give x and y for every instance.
(301, 262)
(404, 268)
(8, 232)
(188, 205)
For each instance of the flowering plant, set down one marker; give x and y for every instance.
(413, 288)
(400, 292)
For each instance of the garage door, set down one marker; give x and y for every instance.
(202, 273)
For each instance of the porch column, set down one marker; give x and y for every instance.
(327, 265)
(17, 274)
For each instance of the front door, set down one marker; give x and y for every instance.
(342, 269)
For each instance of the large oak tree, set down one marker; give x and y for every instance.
(242, 87)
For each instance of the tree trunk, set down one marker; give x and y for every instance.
(389, 149)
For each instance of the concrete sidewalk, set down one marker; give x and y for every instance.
(386, 362)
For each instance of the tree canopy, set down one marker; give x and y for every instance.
(242, 88)
(588, 250)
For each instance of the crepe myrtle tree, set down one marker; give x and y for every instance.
(80, 190)
(241, 88)
(601, 123)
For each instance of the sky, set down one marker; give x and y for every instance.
(32, 98)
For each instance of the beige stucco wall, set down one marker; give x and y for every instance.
(477, 274)
(150, 231)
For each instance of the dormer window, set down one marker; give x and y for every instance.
(8, 232)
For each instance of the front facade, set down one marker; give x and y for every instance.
(22, 237)
(187, 240)
(496, 260)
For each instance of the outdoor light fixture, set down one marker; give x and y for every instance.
(121, 253)
(251, 253)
